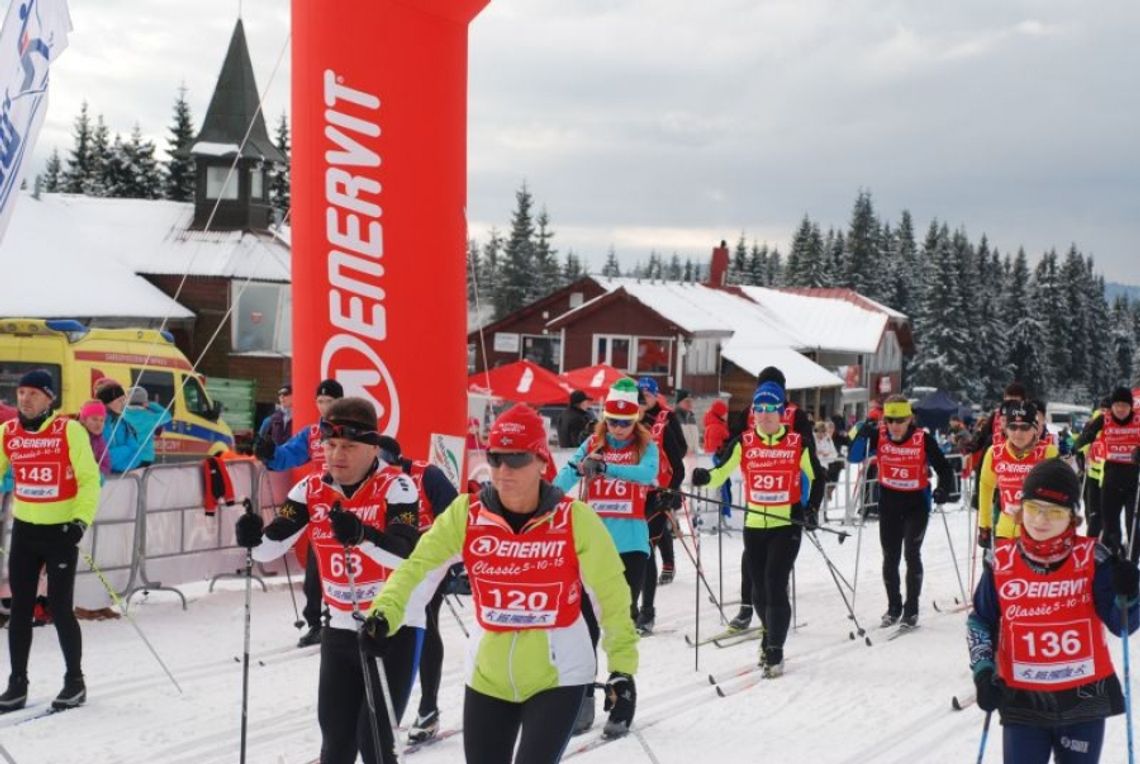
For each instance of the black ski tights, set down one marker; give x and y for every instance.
(431, 659)
(901, 531)
(35, 547)
(772, 553)
(491, 726)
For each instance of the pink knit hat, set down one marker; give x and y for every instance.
(92, 408)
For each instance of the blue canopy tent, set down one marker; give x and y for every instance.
(934, 411)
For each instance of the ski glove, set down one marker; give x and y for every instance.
(811, 519)
(590, 468)
(373, 634)
(621, 698)
(264, 449)
(941, 495)
(669, 499)
(73, 531)
(989, 689)
(350, 531)
(701, 476)
(1125, 579)
(984, 537)
(248, 530)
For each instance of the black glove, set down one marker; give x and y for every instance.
(621, 698)
(1125, 578)
(589, 468)
(941, 495)
(811, 518)
(989, 689)
(373, 635)
(73, 531)
(248, 530)
(701, 476)
(668, 499)
(1136, 455)
(985, 536)
(264, 449)
(347, 528)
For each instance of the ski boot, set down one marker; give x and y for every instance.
(585, 718)
(16, 696)
(742, 620)
(772, 661)
(73, 694)
(424, 728)
(909, 622)
(310, 637)
(666, 576)
(889, 620)
(645, 620)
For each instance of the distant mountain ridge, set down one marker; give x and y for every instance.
(1112, 289)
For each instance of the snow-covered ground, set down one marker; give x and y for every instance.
(840, 700)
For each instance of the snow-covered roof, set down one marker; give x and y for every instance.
(207, 148)
(801, 372)
(147, 236)
(57, 270)
(824, 323)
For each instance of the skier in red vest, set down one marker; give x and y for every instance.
(1119, 428)
(1038, 650)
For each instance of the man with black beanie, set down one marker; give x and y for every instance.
(301, 449)
(1119, 429)
(575, 422)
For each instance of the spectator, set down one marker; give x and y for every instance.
(576, 421)
(148, 419)
(828, 456)
(93, 417)
(716, 435)
(474, 438)
(123, 446)
(278, 426)
(684, 407)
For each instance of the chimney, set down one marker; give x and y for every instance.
(718, 268)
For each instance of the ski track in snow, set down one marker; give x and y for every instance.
(840, 701)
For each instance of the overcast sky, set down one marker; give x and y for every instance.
(671, 124)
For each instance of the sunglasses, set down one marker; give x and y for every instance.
(348, 431)
(1020, 427)
(1047, 511)
(766, 408)
(515, 460)
(619, 424)
(895, 419)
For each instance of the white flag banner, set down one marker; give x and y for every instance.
(34, 34)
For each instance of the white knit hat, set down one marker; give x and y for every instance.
(622, 400)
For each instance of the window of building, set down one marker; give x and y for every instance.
(220, 183)
(262, 319)
(576, 299)
(544, 350)
(256, 184)
(701, 356)
(613, 351)
(654, 355)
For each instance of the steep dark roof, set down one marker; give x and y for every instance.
(234, 105)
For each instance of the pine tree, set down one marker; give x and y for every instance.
(815, 266)
(53, 173)
(990, 346)
(775, 274)
(905, 285)
(1078, 313)
(97, 182)
(797, 269)
(473, 268)
(739, 265)
(1026, 335)
(861, 271)
(689, 273)
(572, 270)
(1098, 372)
(114, 172)
(279, 195)
(79, 158)
(674, 272)
(942, 359)
(179, 181)
(1051, 303)
(757, 264)
(835, 250)
(488, 273)
(141, 177)
(1123, 341)
(547, 274)
(516, 275)
(611, 268)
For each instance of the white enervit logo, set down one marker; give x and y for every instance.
(1016, 588)
(360, 371)
(525, 381)
(485, 546)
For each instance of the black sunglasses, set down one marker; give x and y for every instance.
(349, 432)
(895, 419)
(1020, 427)
(516, 460)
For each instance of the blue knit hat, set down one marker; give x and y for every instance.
(647, 385)
(40, 380)
(769, 393)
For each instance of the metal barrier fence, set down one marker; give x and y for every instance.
(151, 531)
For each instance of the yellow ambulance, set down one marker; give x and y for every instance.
(76, 356)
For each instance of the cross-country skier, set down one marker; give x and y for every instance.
(361, 517)
(1004, 468)
(436, 494)
(619, 465)
(904, 453)
(1119, 428)
(303, 448)
(55, 495)
(534, 557)
(665, 428)
(780, 484)
(1038, 650)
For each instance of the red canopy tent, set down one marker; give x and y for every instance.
(594, 380)
(521, 382)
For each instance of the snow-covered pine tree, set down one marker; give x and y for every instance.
(179, 180)
(1077, 313)
(797, 268)
(835, 249)
(1098, 372)
(990, 349)
(547, 274)
(1026, 332)
(473, 268)
(738, 267)
(53, 173)
(612, 267)
(516, 272)
(142, 178)
(906, 259)
(572, 269)
(279, 195)
(98, 181)
(674, 272)
(1122, 341)
(861, 268)
(489, 267)
(114, 170)
(774, 276)
(688, 276)
(815, 266)
(970, 294)
(942, 356)
(1052, 305)
(79, 157)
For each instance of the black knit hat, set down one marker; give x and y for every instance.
(389, 449)
(577, 397)
(771, 374)
(110, 393)
(1053, 481)
(331, 388)
(1019, 411)
(1122, 395)
(39, 379)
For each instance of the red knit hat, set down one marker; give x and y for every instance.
(519, 428)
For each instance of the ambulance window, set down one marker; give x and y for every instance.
(10, 373)
(196, 400)
(159, 384)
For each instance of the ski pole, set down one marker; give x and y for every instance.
(858, 538)
(751, 511)
(130, 619)
(795, 619)
(645, 745)
(1127, 677)
(369, 695)
(298, 623)
(245, 649)
(700, 573)
(455, 613)
(985, 734)
(831, 569)
(953, 554)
